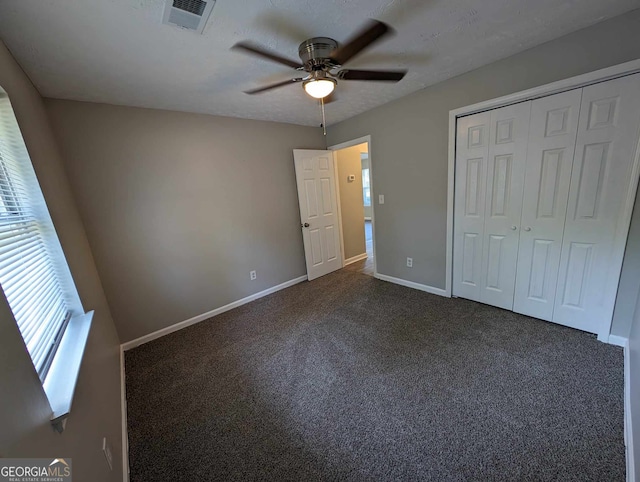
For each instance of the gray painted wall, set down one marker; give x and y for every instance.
(409, 140)
(351, 204)
(24, 410)
(634, 382)
(629, 277)
(180, 207)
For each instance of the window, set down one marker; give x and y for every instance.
(34, 276)
(366, 187)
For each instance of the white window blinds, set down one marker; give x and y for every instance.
(29, 254)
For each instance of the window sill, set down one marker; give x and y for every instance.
(61, 380)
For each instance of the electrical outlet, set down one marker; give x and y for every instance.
(252, 275)
(380, 198)
(106, 448)
(409, 262)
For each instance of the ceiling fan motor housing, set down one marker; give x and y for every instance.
(322, 56)
(316, 50)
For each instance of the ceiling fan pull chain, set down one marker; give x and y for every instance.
(324, 121)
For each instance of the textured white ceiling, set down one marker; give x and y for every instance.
(119, 52)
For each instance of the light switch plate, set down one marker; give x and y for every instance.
(380, 198)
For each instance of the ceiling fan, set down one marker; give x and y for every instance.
(322, 56)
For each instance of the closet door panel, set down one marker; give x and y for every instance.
(552, 138)
(595, 232)
(472, 148)
(503, 204)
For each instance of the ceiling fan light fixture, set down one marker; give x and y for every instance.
(319, 88)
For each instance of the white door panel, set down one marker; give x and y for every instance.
(592, 248)
(472, 149)
(552, 138)
(503, 205)
(318, 211)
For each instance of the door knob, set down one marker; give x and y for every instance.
(528, 228)
(513, 228)
(305, 225)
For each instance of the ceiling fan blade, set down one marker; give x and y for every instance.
(273, 86)
(372, 32)
(378, 75)
(264, 53)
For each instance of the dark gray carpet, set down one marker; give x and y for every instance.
(352, 378)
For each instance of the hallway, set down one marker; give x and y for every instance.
(365, 266)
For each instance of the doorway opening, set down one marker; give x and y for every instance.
(355, 205)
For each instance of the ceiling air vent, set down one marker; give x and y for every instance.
(188, 14)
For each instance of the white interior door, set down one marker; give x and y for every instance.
(316, 181)
(472, 151)
(595, 229)
(503, 204)
(552, 138)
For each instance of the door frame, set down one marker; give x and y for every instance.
(602, 75)
(344, 145)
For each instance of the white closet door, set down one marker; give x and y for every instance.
(503, 203)
(595, 228)
(472, 150)
(552, 138)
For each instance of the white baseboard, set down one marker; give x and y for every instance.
(355, 259)
(123, 411)
(617, 340)
(628, 426)
(411, 284)
(205, 316)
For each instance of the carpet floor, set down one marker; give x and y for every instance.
(351, 378)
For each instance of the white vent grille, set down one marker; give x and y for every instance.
(192, 6)
(188, 14)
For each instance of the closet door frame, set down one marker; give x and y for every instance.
(577, 82)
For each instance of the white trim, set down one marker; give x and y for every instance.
(628, 427)
(602, 75)
(355, 259)
(412, 284)
(373, 208)
(123, 411)
(339, 205)
(617, 340)
(60, 383)
(366, 218)
(351, 143)
(622, 231)
(360, 140)
(209, 314)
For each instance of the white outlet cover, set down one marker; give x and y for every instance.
(410, 262)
